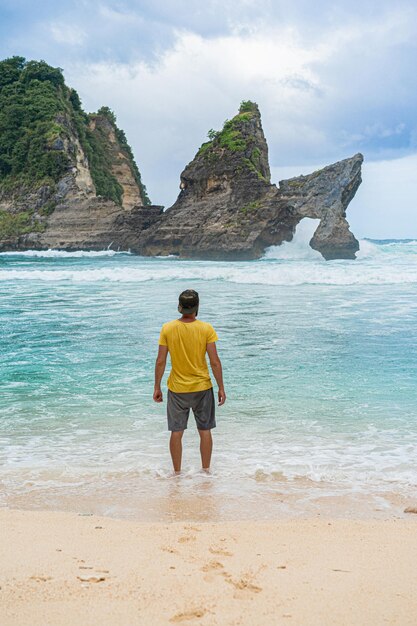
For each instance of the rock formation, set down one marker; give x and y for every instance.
(122, 164)
(228, 209)
(325, 195)
(69, 181)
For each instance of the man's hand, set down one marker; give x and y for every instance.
(216, 368)
(161, 360)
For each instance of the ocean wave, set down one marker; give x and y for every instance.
(297, 249)
(51, 253)
(383, 471)
(293, 263)
(392, 242)
(336, 273)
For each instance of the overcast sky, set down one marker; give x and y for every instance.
(331, 79)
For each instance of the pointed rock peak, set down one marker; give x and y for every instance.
(240, 147)
(247, 106)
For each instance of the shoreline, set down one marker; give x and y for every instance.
(204, 499)
(65, 568)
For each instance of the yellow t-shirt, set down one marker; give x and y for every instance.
(187, 344)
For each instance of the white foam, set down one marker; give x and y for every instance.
(299, 247)
(50, 253)
(367, 249)
(376, 460)
(301, 273)
(377, 264)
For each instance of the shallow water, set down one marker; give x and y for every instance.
(320, 362)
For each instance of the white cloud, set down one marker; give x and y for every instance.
(372, 131)
(167, 109)
(119, 17)
(386, 203)
(321, 98)
(67, 34)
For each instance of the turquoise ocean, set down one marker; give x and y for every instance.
(320, 368)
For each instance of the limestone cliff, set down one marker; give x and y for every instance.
(67, 179)
(122, 164)
(228, 209)
(325, 195)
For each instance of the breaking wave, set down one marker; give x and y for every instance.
(293, 263)
(377, 264)
(58, 254)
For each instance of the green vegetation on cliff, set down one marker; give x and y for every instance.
(94, 144)
(39, 117)
(235, 137)
(31, 96)
(14, 224)
(98, 152)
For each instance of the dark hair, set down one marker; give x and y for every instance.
(188, 302)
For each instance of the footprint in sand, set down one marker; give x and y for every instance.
(219, 550)
(41, 579)
(195, 528)
(211, 568)
(91, 579)
(188, 615)
(169, 549)
(186, 538)
(244, 583)
(212, 565)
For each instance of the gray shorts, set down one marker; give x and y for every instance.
(202, 404)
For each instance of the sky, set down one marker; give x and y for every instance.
(332, 78)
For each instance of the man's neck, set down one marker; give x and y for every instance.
(188, 318)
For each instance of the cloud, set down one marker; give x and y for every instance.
(321, 99)
(386, 203)
(67, 34)
(167, 109)
(331, 78)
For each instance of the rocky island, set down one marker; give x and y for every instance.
(68, 180)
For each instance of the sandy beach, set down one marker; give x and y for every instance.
(63, 569)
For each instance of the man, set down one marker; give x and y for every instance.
(189, 385)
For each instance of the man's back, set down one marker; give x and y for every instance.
(187, 345)
(189, 385)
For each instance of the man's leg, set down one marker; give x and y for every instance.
(175, 447)
(206, 447)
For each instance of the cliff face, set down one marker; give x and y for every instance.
(228, 209)
(122, 165)
(82, 219)
(67, 179)
(221, 191)
(325, 195)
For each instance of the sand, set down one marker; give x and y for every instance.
(66, 569)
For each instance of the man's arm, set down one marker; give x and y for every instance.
(216, 368)
(160, 364)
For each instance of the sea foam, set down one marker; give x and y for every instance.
(64, 254)
(375, 265)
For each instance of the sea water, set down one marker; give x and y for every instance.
(320, 370)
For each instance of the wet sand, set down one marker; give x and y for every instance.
(201, 497)
(63, 569)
